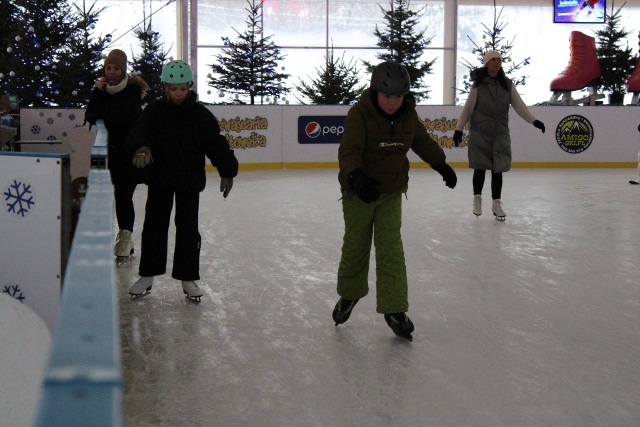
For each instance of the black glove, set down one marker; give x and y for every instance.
(539, 125)
(638, 128)
(225, 186)
(142, 158)
(366, 188)
(457, 138)
(91, 118)
(448, 175)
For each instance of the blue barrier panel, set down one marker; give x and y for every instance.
(83, 379)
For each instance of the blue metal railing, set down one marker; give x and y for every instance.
(82, 383)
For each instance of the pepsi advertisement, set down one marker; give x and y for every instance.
(320, 129)
(579, 11)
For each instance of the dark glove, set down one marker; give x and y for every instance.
(539, 125)
(142, 158)
(366, 188)
(457, 138)
(225, 186)
(638, 128)
(91, 118)
(448, 175)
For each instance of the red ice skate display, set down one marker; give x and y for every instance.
(582, 71)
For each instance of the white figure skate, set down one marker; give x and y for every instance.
(141, 288)
(477, 205)
(123, 247)
(191, 290)
(497, 210)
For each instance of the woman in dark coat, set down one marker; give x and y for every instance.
(116, 99)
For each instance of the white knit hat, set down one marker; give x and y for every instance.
(490, 55)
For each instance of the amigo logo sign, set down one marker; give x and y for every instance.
(574, 134)
(320, 129)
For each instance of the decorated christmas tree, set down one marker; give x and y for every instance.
(34, 35)
(336, 83)
(81, 60)
(148, 64)
(404, 43)
(246, 71)
(494, 39)
(616, 60)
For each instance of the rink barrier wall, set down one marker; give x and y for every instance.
(82, 383)
(300, 136)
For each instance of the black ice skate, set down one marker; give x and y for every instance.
(141, 288)
(400, 324)
(343, 309)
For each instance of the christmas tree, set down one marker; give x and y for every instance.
(495, 40)
(336, 84)
(405, 44)
(148, 64)
(617, 62)
(81, 60)
(37, 32)
(246, 70)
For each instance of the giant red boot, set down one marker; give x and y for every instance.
(583, 68)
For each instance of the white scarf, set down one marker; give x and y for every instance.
(112, 90)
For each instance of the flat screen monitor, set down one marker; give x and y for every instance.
(579, 11)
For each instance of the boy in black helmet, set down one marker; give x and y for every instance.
(379, 131)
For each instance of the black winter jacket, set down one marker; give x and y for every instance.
(180, 136)
(119, 112)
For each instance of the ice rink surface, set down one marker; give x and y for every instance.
(530, 322)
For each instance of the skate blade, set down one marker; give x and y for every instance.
(407, 336)
(500, 218)
(634, 182)
(138, 296)
(122, 260)
(194, 299)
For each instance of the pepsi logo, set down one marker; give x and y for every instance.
(313, 129)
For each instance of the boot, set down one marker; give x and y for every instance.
(583, 67)
(343, 309)
(400, 324)
(477, 205)
(497, 210)
(191, 290)
(124, 245)
(141, 288)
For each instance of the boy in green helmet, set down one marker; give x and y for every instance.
(172, 137)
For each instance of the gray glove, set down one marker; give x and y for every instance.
(225, 186)
(142, 158)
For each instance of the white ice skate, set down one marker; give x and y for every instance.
(635, 181)
(191, 290)
(141, 288)
(124, 246)
(477, 205)
(497, 210)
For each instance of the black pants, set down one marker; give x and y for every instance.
(186, 255)
(496, 183)
(125, 213)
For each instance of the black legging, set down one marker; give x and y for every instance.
(496, 183)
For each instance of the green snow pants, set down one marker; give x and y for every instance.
(381, 222)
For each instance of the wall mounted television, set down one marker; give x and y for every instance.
(579, 11)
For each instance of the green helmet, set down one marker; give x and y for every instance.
(176, 72)
(391, 78)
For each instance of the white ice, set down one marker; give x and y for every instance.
(530, 322)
